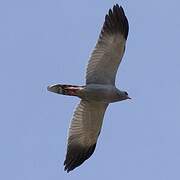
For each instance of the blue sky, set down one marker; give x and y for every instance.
(45, 42)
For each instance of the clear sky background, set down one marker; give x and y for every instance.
(45, 42)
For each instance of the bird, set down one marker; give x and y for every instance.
(99, 90)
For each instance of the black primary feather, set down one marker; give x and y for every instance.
(76, 155)
(116, 22)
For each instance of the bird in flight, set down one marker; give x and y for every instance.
(99, 90)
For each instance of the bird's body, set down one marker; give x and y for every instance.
(99, 90)
(101, 93)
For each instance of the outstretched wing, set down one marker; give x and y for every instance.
(109, 50)
(83, 133)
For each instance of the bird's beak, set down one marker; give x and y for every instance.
(129, 97)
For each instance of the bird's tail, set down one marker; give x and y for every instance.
(70, 90)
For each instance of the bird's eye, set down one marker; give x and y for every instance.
(126, 93)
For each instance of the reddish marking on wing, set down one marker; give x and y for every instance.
(72, 90)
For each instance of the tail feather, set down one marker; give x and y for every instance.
(65, 89)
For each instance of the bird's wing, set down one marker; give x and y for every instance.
(83, 133)
(109, 50)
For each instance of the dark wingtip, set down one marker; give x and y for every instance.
(116, 21)
(76, 155)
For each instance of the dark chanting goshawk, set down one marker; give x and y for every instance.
(99, 90)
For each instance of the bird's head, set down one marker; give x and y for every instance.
(123, 95)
